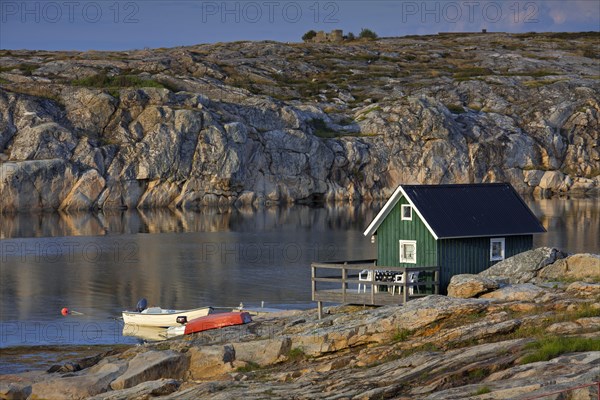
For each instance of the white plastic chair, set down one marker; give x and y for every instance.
(365, 276)
(413, 277)
(398, 282)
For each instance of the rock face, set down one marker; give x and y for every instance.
(523, 267)
(257, 123)
(576, 267)
(149, 366)
(149, 389)
(467, 285)
(584, 289)
(79, 386)
(523, 292)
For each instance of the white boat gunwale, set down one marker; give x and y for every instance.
(165, 318)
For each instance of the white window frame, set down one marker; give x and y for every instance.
(502, 242)
(402, 212)
(404, 259)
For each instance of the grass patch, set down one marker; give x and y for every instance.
(401, 335)
(26, 69)
(549, 348)
(540, 73)
(574, 35)
(477, 374)
(296, 354)
(363, 115)
(249, 367)
(537, 329)
(471, 72)
(536, 84)
(585, 311)
(482, 390)
(102, 80)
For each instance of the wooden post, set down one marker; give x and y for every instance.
(313, 273)
(320, 309)
(436, 278)
(373, 283)
(344, 284)
(405, 287)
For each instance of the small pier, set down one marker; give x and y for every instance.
(366, 283)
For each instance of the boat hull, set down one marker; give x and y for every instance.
(164, 319)
(213, 321)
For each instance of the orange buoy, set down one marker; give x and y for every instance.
(64, 311)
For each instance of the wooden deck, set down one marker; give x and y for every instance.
(338, 282)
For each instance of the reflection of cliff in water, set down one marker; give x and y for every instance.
(572, 224)
(211, 219)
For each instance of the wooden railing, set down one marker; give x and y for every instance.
(342, 281)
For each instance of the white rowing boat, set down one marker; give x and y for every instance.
(159, 317)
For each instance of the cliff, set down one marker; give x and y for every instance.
(268, 122)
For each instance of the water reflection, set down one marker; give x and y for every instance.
(572, 224)
(99, 264)
(57, 224)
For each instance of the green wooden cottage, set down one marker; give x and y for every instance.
(462, 229)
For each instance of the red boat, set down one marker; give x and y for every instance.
(212, 321)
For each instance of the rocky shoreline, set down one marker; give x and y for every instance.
(266, 123)
(527, 326)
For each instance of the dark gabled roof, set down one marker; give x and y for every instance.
(468, 210)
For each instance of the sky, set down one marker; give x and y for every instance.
(124, 24)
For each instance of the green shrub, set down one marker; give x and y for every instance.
(548, 348)
(367, 34)
(310, 35)
(401, 335)
(296, 354)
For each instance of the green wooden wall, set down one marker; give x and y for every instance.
(472, 255)
(392, 229)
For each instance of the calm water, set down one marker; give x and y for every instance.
(100, 264)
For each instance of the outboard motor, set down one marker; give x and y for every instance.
(141, 305)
